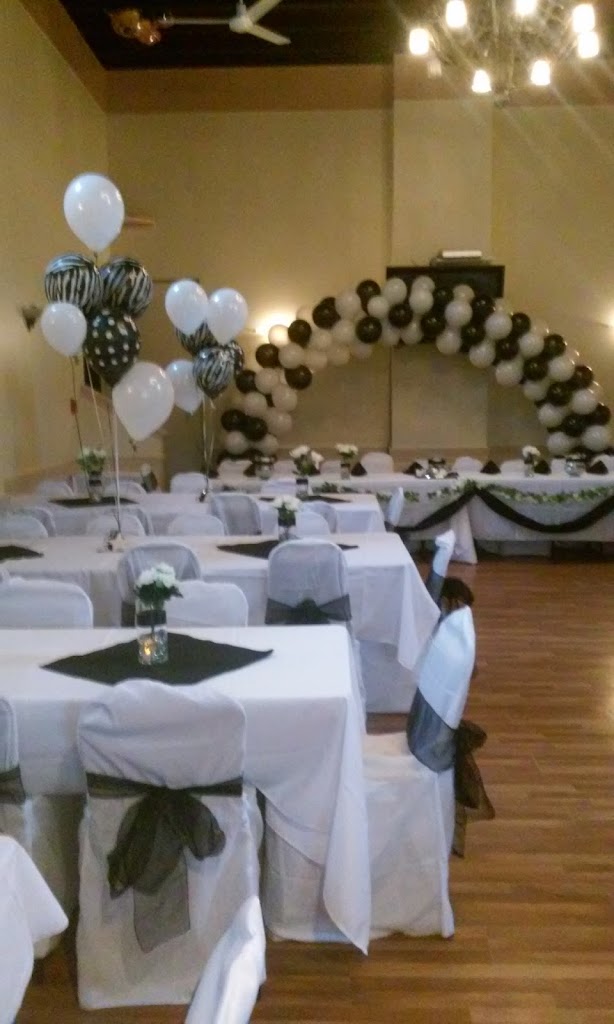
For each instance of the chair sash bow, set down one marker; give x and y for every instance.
(307, 612)
(11, 786)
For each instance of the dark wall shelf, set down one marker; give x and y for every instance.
(484, 278)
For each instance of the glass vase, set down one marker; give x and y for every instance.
(285, 528)
(345, 470)
(529, 468)
(94, 487)
(302, 486)
(152, 635)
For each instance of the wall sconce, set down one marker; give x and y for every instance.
(30, 315)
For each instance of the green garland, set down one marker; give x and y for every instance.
(560, 498)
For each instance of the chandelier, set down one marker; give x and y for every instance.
(503, 45)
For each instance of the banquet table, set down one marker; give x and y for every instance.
(388, 598)
(303, 744)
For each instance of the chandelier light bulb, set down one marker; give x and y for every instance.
(587, 45)
(540, 72)
(524, 8)
(583, 18)
(456, 13)
(419, 42)
(481, 82)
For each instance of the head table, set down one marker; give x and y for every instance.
(303, 746)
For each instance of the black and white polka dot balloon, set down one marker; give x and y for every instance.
(112, 344)
(126, 285)
(76, 279)
(214, 369)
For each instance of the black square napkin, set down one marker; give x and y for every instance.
(415, 467)
(490, 468)
(325, 497)
(263, 548)
(452, 475)
(599, 468)
(189, 661)
(88, 503)
(8, 551)
(358, 470)
(542, 468)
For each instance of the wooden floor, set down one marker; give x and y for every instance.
(534, 897)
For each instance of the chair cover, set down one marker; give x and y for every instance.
(54, 489)
(229, 986)
(188, 483)
(127, 489)
(44, 516)
(377, 462)
(168, 739)
(45, 826)
(512, 466)
(21, 525)
(207, 604)
(239, 513)
(307, 569)
(410, 807)
(43, 604)
(466, 464)
(444, 547)
(132, 563)
(193, 524)
(311, 524)
(101, 525)
(323, 508)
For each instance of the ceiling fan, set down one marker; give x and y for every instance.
(131, 24)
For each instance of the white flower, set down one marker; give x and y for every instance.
(530, 452)
(288, 502)
(146, 577)
(145, 469)
(316, 458)
(300, 451)
(349, 450)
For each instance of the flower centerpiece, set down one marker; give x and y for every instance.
(287, 506)
(307, 463)
(348, 452)
(530, 456)
(91, 461)
(152, 590)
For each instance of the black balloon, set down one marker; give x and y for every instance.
(583, 377)
(196, 342)
(299, 331)
(521, 323)
(367, 290)
(472, 334)
(246, 381)
(554, 345)
(506, 348)
(441, 297)
(299, 377)
(432, 325)
(559, 393)
(267, 356)
(329, 301)
(126, 285)
(76, 279)
(400, 315)
(111, 345)
(574, 425)
(535, 368)
(601, 415)
(482, 306)
(369, 329)
(325, 317)
(255, 428)
(233, 419)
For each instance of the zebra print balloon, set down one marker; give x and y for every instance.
(74, 278)
(111, 345)
(126, 285)
(213, 370)
(194, 343)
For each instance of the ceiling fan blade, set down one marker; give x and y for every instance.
(260, 8)
(264, 33)
(169, 20)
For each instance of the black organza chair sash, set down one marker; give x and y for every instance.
(434, 584)
(11, 786)
(428, 736)
(149, 854)
(308, 613)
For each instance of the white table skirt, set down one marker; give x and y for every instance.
(29, 913)
(303, 748)
(389, 601)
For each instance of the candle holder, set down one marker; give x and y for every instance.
(152, 636)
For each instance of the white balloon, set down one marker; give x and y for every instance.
(278, 335)
(321, 340)
(536, 390)
(412, 334)
(395, 290)
(227, 314)
(420, 300)
(348, 305)
(561, 368)
(143, 399)
(360, 350)
(291, 355)
(559, 443)
(254, 403)
(235, 442)
(304, 313)
(339, 355)
(596, 438)
(449, 342)
(531, 344)
(551, 415)
(94, 210)
(509, 372)
(342, 333)
(483, 354)
(268, 445)
(278, 422)
(186, 305)
(464, 292)
(390, 336)
(64, 327)
(458, 313)
(378, 306)
(423, 281)
(266, 380)
(187, 396)
(498, 325)
(585, 400)
(314, 360)
(284, 397)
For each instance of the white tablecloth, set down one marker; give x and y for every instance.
(303, 738)
(29, 913)
(389, 601)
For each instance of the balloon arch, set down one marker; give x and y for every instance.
(568, 400)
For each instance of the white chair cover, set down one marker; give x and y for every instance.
(228, 989)
(21, 525)
(29, 915)
(311, 524)
(411, 808)
(132, 563)
(156, 734)
(193, 524)
(101, 525)
(302, 569)
(127, 489)
(239, 513)
(512, 466)
(45, 826)
(207, 604)
(466, 464)
(43, 604)
(377, 462)
(188, 483)
(44, 516)
(323, 508)
(54, 489)
(444, 547)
